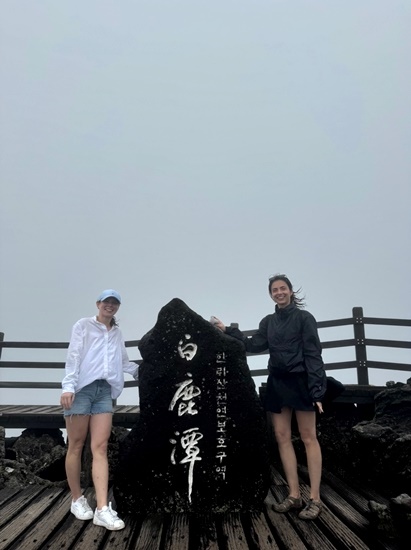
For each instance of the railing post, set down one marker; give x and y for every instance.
(1, 340)
(360, 349)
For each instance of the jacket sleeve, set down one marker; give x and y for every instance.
(256, 343)
(317, 381)
(74, 354)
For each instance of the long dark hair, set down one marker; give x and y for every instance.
(299, 301)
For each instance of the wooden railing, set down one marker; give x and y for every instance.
(359, 341)
(50, 416)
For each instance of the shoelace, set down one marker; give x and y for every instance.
(113, 512)
(82, 503)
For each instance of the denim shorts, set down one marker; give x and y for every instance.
(92, 399)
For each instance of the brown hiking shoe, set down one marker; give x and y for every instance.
(312, 510)
(287, 504)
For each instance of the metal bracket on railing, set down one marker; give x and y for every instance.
(360, 341)
(362, 363)
(359, 320)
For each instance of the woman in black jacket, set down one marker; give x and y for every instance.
(296, 382)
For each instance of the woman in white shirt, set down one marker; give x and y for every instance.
(96, 361)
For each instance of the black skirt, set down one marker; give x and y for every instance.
(288, 390)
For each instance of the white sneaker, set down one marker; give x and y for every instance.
(108, 518)
(81, 509)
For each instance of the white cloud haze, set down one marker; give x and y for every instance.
(193, 148)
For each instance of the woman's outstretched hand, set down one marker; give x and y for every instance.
(215, 321)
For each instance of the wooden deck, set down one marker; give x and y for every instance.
(51, 416)
(39, 518)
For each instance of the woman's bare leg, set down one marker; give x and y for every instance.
(100, 430)
(307, 426)
(77, 429)
(282, 430)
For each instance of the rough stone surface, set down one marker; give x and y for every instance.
(34, 444)
(15, 474)
(393, 408)
(381, 519)
(382, 447)
(376, 451)
(37, 456)
(201, 442)
(401, 513)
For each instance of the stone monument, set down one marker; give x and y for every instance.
(200, 444)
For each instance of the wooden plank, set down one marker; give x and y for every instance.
(233, 532)
(35, 345)
(46, 409)
(22, 522)
(260, 533)
(384, 321)
(335, 323)
(387, 343)
(340, 365)
(177, 533)
(53, 409)
(281, 525)
(23, 421)
(16, 409)
(36, 538)
(122, 409)
(277, 479)
(337, 532)
(205, 529)
(92, 536)
(70, 528)
(307, 531)
(150, 533)
(120, 540)
(368, 493)
(311, 534)
(7, 494)
(351, 495)
(13, 507)
(388, 366)
(341, 508)
(32, 365)
(32, 385)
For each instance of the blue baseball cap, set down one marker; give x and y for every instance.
(109, 293)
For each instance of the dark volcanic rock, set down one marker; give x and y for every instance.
(393, 408)
(382, 447)
(377, 451)
(401, 513)
(37, 456)
(381, 519)
(34, 444)
(201, 442)
(43, 451)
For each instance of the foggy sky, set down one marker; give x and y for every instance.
(192, 149)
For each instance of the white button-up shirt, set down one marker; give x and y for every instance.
(95, 353)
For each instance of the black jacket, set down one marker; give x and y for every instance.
(290, 334)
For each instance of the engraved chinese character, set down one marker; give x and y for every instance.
(187, 351)
(186, 392)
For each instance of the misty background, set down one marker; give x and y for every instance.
(192, 149)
